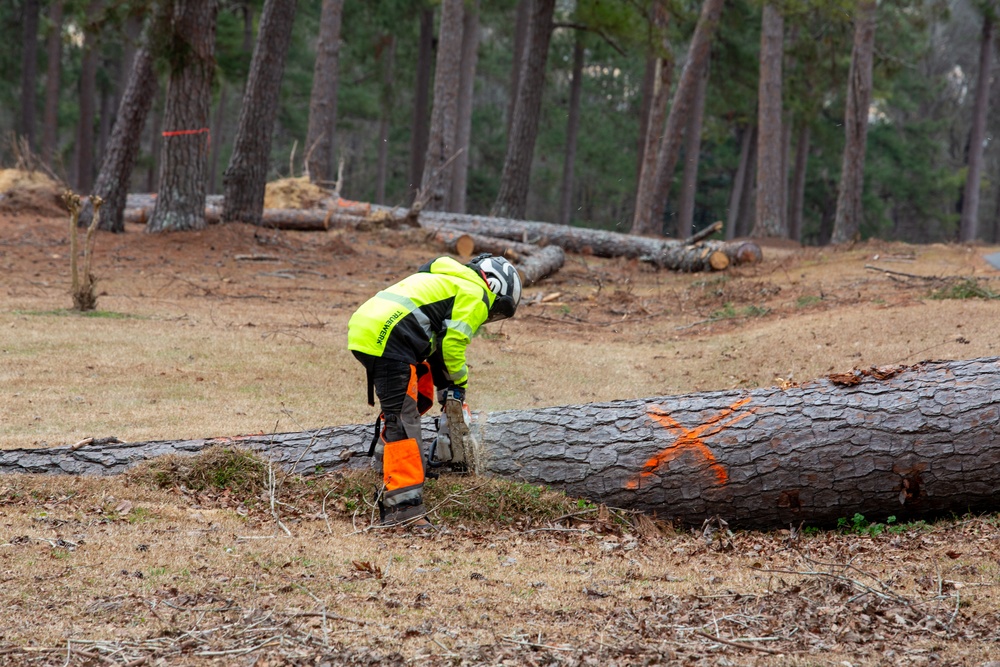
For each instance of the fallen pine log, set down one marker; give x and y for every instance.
(662, 253)
(532, 262)
(676, 255)
(911, 442)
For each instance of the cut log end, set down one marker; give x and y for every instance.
(465, 246)
(718, 261)
(748, 253)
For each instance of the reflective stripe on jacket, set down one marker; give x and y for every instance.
(441, 306)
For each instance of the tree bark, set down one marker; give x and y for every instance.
(155, 141)
(847, 223)
(797, 209)
(745, 215)
(218, 137)
(648, 219)
(105, 110)
(913, 442)
(123, 146)
(692, 150)
(29, 70)
(522, 15)
(572, 131)
(320, 136)
(50, 118)
(421, 99)
(387, 59)
(645, 190)
(88, 101)
(769, 220)
(466, 96)
(182, 183)
(649, 76)
(512, 197)
(246, 176)
(969, 225)
(747, 135)
(436, 184)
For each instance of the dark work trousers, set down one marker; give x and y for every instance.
(400, 450)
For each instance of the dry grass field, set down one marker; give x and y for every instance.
(237, 330)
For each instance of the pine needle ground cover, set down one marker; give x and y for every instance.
(239, 330)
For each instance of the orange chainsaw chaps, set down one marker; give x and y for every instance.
(402, 464)
(421, 386)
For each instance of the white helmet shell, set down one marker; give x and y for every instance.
(503, 280)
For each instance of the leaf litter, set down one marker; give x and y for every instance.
(571, 585)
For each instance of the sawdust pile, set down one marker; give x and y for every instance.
(296, 193)
(30, 192)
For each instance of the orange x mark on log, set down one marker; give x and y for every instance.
(691, 440)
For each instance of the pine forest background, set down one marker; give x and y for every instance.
(927, 56)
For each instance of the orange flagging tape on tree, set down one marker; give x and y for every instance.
(181, 133)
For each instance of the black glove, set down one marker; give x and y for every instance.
(455, 393)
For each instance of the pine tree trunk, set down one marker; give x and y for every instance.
(512, 197)
(797, 210)
(770, 179)
(88, 104)
(246, 176)
(105, 117)
(911, 442)
(649, 75)
(648, 219)
(421, 99)
(436, 183)
(736, 195)
(969, 225)
(572, 130)
(654, 135)
(522, 16)
(466, 95)
(155, 141)
(50, 118)
(218, 137)
(692, 150)
(387, 58)
(123, 145)
(320, 137)
(847, 223)
(183, 178)
(29, 69)
(748, 204)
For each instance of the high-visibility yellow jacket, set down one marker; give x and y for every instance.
(440, 307)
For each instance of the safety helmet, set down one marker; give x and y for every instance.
(503, 280)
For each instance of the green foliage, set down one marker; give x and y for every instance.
(243, 472)
(729, 311)
(859, 525)
(966, 288)
(807, 300)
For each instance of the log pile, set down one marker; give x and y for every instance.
(520, 238)
(911, 442)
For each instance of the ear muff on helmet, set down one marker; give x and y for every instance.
(503, 280)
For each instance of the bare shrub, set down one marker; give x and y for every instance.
(84, 282)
